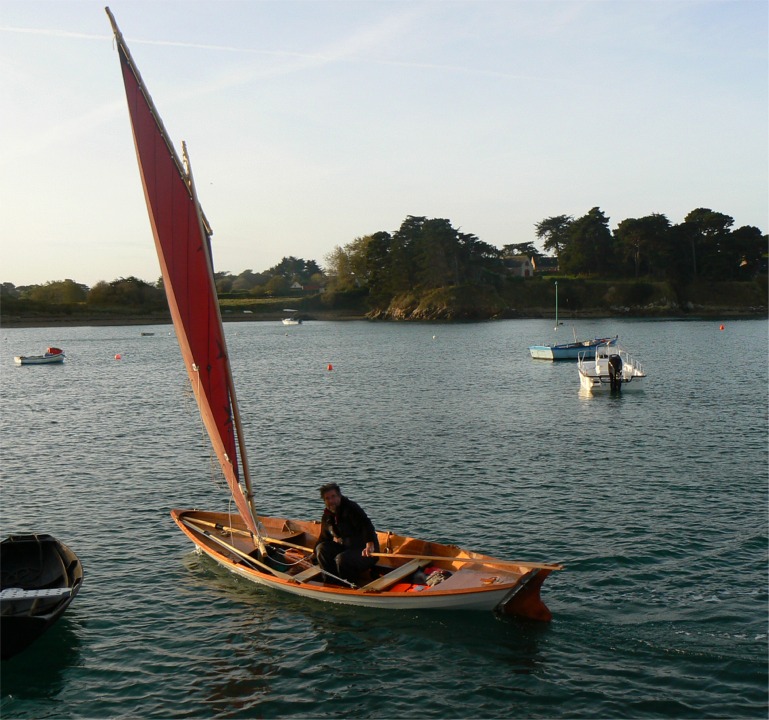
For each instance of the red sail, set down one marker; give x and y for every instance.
(182, 243)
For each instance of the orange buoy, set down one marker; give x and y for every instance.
(329, 367)
(721, 327)
(117, 357)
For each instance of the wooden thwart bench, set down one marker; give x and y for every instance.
(382, 583)
(307, 574)
(395, 575)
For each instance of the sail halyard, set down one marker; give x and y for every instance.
(182, 240)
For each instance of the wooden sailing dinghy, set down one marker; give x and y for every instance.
(411, 573)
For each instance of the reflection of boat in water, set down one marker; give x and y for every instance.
(40, 577)
(52, 356)
(292, 318)
(612, 368)
(275, 551)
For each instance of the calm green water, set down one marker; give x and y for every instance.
(655, 502)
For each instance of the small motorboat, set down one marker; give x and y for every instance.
(293, 318)
(39, 578)
(52, 356)
(610, 369)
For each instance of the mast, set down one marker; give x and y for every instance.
(556, 307)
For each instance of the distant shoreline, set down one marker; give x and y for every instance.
(531, 314)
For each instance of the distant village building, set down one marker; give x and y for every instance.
(522, 265)
(519, 265)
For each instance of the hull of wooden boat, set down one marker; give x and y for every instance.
(476, 582)
(40, 578)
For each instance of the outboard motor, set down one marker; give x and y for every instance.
(615, 372)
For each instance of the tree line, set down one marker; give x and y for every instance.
(133, 293)
(704, 246)
(426, 254)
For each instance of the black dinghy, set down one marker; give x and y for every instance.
(39, 578)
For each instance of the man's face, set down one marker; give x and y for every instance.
(331, 500)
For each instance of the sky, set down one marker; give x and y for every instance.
(311, 123)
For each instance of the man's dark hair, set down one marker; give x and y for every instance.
(329, 486)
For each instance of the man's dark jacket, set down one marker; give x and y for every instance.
(349, 523)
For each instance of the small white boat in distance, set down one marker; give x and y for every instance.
(291, 319)
(612, 369)
(52, 355)
(570, 351)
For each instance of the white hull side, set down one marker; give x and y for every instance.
(541, 352)
(595, 384)
(38, 359)
(487, 600)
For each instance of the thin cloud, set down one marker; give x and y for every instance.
(351, 50)
(53, 33)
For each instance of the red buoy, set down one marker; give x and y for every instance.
(329, 367)
(117, 357)
(721, 327)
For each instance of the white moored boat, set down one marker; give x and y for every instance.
(292, 318)
(568, 350)
(52, 356)
(612, 369)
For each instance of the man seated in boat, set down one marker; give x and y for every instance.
(347, 536)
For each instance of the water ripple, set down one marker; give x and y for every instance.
(656, 503)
